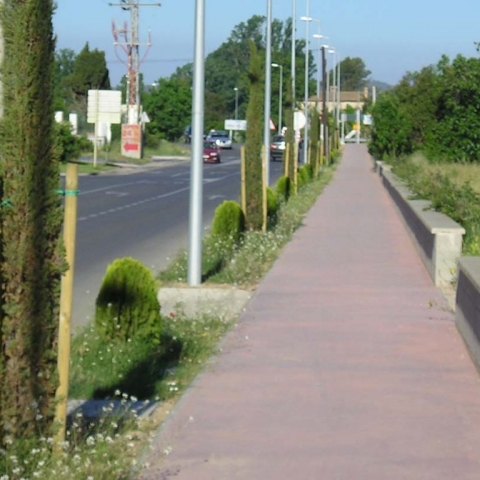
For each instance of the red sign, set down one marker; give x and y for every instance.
(132, 141)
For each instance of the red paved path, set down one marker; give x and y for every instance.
(345, 366)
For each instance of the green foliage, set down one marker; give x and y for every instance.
(459, 202)
(229, 220)
(303, 175)
(315, 137)
(392, 129)
(272, 206)
(283, 187)
(169, 106)
(434, 110)
(253, 143)
(300, 178)
(90, 72)
(354, 74)
(127, 304)
(309, 170)
(289, 135)
(31, 255)
(68, 146)
(64, 65)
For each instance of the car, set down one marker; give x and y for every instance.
(211, 152)
(221, 138)
(277, 147)
(187, 134)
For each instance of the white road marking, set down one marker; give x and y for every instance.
(152, 199)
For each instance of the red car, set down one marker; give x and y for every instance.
(211, 152)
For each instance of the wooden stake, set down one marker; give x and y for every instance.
(66, 299)
(287, 160)
(309, 151)
(295, 169)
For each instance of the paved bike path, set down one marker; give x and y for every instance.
(346, 364)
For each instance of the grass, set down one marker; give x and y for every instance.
(88, 168)
(453, 189)
(148, 372)
(459, 173)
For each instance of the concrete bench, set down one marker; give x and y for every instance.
(437, 237)
(467, 311)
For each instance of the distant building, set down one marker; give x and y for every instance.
(354, 100)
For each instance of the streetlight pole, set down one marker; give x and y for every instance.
(236, 103)
(334, 107)
(196, 179)
(280, 97)
(268, 92)
(306, 19)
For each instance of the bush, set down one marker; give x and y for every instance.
(229, 220)
(309, 171)
(272, 204)
(283, 187)
(127, 304)
(303, 177)
(68, 147)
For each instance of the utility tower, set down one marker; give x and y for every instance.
(128, 40)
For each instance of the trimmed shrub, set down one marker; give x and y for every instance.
(283, 187)
(303, 174)
(229, 220)
(127, 304)
(309, 170)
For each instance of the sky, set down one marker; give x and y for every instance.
(392, 37)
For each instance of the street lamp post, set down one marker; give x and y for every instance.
(268, 92)
(307, 19)
(196, 179)
(236, 103)
(280, 97)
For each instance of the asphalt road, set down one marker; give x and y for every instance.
(143, 215)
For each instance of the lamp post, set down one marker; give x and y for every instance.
(268, 92)
(236, 103)
(280, 97)
(196, 179)
(307, 19)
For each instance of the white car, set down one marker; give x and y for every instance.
(221, 138)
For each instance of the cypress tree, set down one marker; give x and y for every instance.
(290, 133)
(32, 258)
(253, 143)
(315, 126)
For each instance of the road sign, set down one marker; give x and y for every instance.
(132, 141)
(299, 120)
(104, 106)
(235, 125)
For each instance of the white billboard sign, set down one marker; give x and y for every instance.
(104, 106)
(235, 125)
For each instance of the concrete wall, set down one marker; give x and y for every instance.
(467, 311)
(437, 237)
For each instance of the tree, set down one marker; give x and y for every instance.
(289, 134)
(90, 72)
(31, 259)
(253, 144)
(64, 66)
(169, 106)
(354, 74)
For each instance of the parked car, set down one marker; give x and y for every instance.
(211, 152)
(221, 138)
(277, 147)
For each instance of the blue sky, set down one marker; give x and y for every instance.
(391, 36)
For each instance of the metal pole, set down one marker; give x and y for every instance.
(281, 101)
(236, 103)
(196, 179)
(307, 39)
(294, 50)
(268, 93)
(339, 103)
(334, 111)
